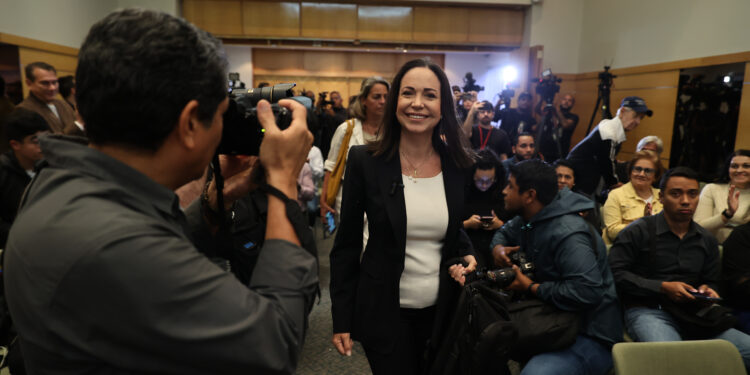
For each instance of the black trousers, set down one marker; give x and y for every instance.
(408, 356)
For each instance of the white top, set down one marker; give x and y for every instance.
(426, 224)
(315, 158)
(713, 202)
(53, 109)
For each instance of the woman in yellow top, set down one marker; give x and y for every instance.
(635, 199)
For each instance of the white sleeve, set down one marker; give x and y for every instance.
(316, 162)
(333, 153)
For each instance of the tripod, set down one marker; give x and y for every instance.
(605, 85)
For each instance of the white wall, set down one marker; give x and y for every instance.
(557, 25)
(241, 61)
(640, 32)
(64, 22)
(486, 68)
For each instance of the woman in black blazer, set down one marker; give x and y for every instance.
(398, 299)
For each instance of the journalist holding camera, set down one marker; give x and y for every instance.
(570, 267)
(101, 275)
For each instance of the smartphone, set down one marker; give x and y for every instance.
(486, 219)
(330, 223)
(704, 297)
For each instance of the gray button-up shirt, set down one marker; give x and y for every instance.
(101, 278)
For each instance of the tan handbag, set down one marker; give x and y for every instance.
(334, 181)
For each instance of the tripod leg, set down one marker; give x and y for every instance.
(596, 109)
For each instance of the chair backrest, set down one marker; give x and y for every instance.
(677, 357)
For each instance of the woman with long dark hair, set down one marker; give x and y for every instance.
(399, 296)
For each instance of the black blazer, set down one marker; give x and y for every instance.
(365, 295)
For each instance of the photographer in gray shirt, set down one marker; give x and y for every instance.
(101, 274)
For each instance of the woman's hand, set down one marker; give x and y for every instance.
(325, 209)
(474, 222)
(458, 271)
(343, 343)
(733, 200)
(495, 224)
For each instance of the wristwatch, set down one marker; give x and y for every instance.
(726, 214)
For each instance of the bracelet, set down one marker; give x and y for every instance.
(726, 214)
(531, 286)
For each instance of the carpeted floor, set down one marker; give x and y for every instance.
(318, 354)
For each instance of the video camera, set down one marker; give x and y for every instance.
(242, 132)
(502, 277)
(322, 102)
(547, 86)
(506, 96)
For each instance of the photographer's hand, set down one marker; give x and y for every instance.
(677, 291)
(522, 282)
(282, 154)
(500, 253)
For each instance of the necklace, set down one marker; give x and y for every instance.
(413, 176)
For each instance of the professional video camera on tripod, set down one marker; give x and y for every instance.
(549, 133)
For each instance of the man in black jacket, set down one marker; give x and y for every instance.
(23, 128)
(594, 157)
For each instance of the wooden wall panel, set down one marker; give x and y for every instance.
(284, 62)
(271, 19)
(384, 23)
(661, 124)
(373, 64)
(219, 17)
(646, 80)
(441, 24)
(326, 61)
(496, 26)
(743, 125)
(402, 58)
(333, 21)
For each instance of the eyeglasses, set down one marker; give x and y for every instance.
(737, 166)
(646, 171)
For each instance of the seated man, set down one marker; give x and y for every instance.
(685, 260)
(523, 149)
(23, 128)
(571, 266)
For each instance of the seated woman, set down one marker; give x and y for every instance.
(636, 198)
(725, 205)
(484, 210)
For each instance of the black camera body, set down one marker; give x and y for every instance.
(322, 101)
(547, 86)
(242, 133)
(502, 277)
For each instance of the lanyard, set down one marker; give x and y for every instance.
(483, 141)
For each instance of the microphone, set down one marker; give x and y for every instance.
(396, 184)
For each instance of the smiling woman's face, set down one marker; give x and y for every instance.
(418, 108)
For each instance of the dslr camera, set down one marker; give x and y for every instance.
(242, 132)
(502, 277)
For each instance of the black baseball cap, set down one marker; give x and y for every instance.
(637, 104)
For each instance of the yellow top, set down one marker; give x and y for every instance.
(623, 207)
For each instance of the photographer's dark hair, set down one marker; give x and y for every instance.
(487, 159)
(29, 70)
(67, 84)
(523, 134)
(725, 172)
(23, 122)
(455, 145)
(564, 163)
(137, 69)
(538, 175)
(677, 172)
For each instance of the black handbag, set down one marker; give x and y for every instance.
(542, 328)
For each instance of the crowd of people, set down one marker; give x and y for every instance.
(104, 270)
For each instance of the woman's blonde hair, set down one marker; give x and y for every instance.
(357, 108)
